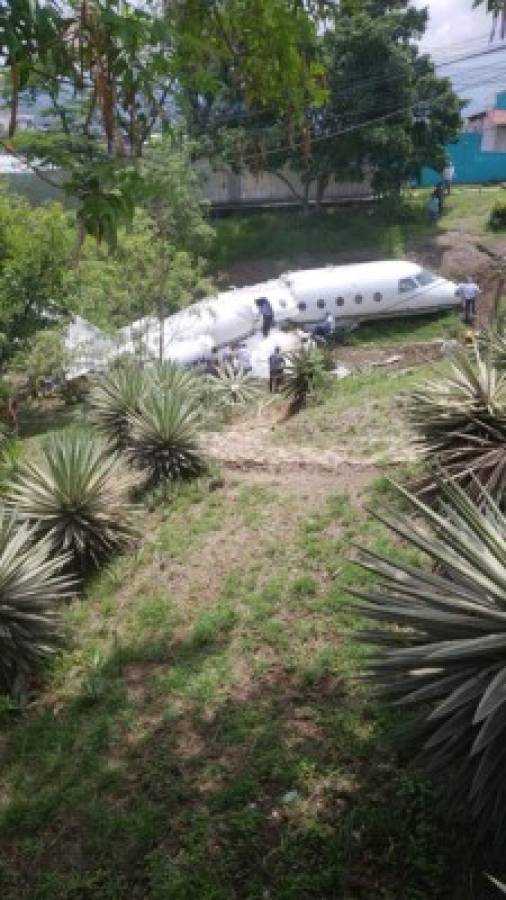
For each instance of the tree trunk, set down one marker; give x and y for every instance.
(321, 186)
(80, 237)
(496, 308)
(305, 200)
(13, 120)
(161, 319)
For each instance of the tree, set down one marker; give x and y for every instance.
(386, 113)
(35, 245)
(44, 356)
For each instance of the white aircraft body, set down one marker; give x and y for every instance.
(352, 294)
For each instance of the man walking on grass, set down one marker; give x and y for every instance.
(468, 292)
(276, 370)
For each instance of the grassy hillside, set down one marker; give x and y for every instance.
(206, 736)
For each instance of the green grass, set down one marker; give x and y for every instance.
(205, 735)
(408, 330)
(382, 230)
(360, 415)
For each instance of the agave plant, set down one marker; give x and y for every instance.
(305, 375)
(74, 492)
(31, 584)
(163, 437)
(232, 388)
(461, 421)
(113, 398)
(493, 343)
(443, 652)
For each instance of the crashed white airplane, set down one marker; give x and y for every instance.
(353, 294)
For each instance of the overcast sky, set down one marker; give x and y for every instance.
(456, 29)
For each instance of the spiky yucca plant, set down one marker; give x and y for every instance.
(163, 438)
(492, 343)
(113, 397)
(305, 375)
(74, 492)
(170, 377)
(461, 421)
(231, 388)
(443, 652)
(31, 584)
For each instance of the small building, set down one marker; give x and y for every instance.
(479, 155)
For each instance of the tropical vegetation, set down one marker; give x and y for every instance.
(442, 643)
(305, 375)
(73, 493)
(32, 588)
(460, 420)
(163, 438)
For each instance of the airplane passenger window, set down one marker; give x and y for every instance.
(358, 298)
(406, 285)
(320, 304)
(339, 301)
(302, 306)
(424, 278)
(378, 297)
(282, 303)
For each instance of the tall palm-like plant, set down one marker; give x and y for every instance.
(493, 345)
(442, 644)
(31, 584)
(163, 439)
(74, 493)
(460, 420)
(233, 388)
(306, 373)
(169, 378)
(113, 397)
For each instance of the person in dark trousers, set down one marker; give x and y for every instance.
(12, 413)
(469, 291)
(439, 192)
(276, 370)
(267, 313)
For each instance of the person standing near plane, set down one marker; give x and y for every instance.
(468, 292)
(433, 207)
(276, 370)
(325, 329)
(448, 176)
(244, 359)
(267, 313)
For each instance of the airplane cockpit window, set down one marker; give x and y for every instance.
(302, 306)
(358, 298)
(339, 301)
(406, 285)
(320, 304)
(424, 278)
(378, 297)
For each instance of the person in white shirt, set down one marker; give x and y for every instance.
(469, 292)
(243, 357)
(448, 176)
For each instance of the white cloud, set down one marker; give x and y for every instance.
(455, 29)
(453, 24)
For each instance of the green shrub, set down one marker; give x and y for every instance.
(31, 583)
(460, 421)
(163, 437)
(230, 389)
(306, 376)
(113, 397)
(497, 218)
(442, 644)
(74, 493)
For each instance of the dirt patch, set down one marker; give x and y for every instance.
(394, 358)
